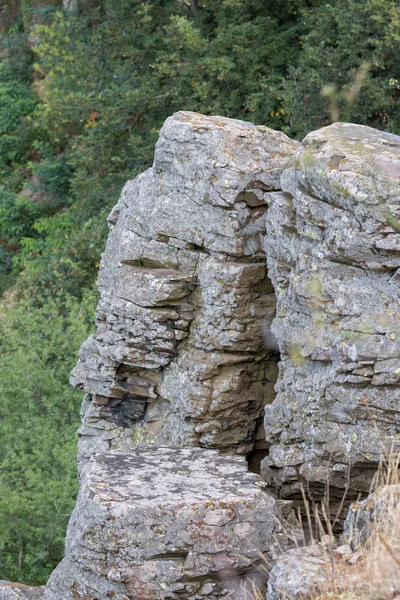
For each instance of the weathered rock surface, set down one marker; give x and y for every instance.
(17, 591)
(178, 354)
(162, 522)
(375, 512)
(315, 572)
(333, 251)
(300, 573)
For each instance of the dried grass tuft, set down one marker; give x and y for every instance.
(370, 568)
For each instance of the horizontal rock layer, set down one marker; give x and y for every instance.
(162, 522)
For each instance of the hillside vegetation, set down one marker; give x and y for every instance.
(83, 94)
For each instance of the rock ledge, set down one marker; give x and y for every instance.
(161, 522)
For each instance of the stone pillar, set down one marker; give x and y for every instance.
(178, 354)
(333, 252)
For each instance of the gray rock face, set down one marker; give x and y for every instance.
(156, 523)
(375, 512)
(178, 366)
(178, 354)
(333, 251)
(18, 591)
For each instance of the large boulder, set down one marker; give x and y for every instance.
(333, 252)
(162, 522)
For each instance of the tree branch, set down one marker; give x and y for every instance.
(194, 7)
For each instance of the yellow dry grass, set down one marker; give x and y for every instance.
(370, 570)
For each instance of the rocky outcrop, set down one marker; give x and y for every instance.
(156, 523)
(178, 354)
(190, 327)
(333, 252)
(177, 366)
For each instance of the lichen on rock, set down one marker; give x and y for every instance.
(178, 354)
(155, 523)
(333, 256)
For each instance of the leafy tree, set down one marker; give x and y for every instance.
(38, 420)
(346, 40)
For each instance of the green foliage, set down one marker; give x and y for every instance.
(5, 269)
(17, 216)
(38, 421)
(53, 175)
(346, 40)
(64, 259)
(82, 99)
(17, 103)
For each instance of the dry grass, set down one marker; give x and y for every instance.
(369, 569)
(380, 564)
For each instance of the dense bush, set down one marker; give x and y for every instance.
(82, 98)
(17, 103)
(350, 52)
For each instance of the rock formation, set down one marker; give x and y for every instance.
(183, 363)
(333, 252)
(178, 359)
(178, 354)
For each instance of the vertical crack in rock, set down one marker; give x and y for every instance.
(178, 355)
(333, 251)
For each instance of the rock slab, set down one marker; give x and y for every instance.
(164, 522)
